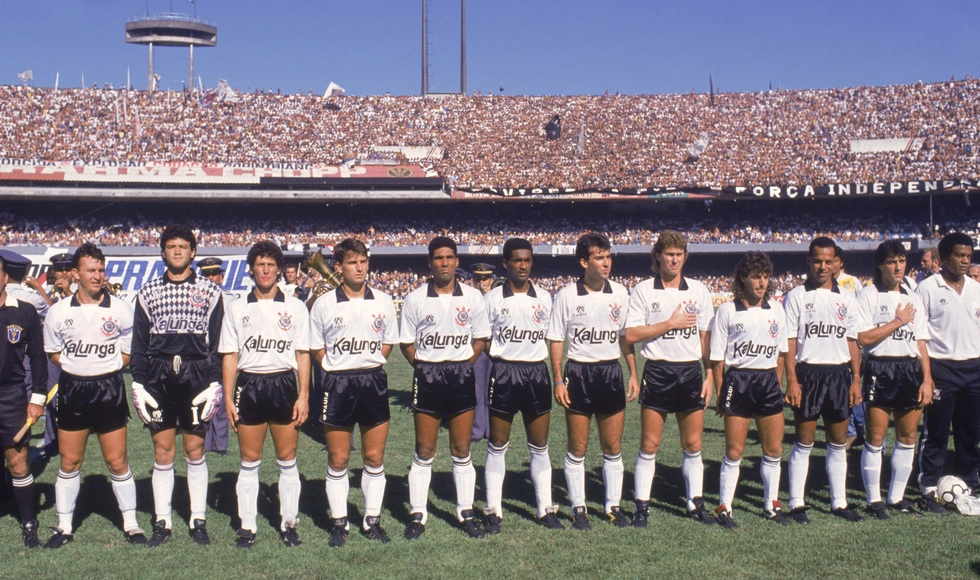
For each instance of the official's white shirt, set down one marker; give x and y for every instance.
(821, 321)
(519, 322)
(590, 322)
(877, 306)
(29, 295)
(749, 338)
(443, 326)
(266, 334)
(90, 337)
(651, 303)
(954, 319)
(351, 331)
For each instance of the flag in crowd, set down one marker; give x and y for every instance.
(26, 76)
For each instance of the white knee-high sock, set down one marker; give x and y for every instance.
(902, 458)
(247, 490)
(612, 479)
(799, 467)
(162, 481)
(770, 472)
(289, 489)
(646, 467)
(541, 477)
(494, 472)
(837, 475)
(464, 476)
(373, 487)
(728, 480)
(693, 470)
(65, 493)
(338, 489)
(575, 479)
(124, 488)
(871, 471)
(197, 487)
(419, 477)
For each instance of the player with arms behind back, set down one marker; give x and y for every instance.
(353, 330)
(264, 347)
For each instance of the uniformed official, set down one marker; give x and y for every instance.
(483, 277)
(216, 438)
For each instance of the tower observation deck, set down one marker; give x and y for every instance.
(171, 29)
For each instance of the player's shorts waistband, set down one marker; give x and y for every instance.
(672, 363)
(272, 374)
(889, 358)
(518, 363)
(600, 363)
(65, 376)
(827, 367)
(364, 371)
(443, 363)
(749, 371)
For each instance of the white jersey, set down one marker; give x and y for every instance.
(29, 295)
(90, 337)
(821, 321)
(651, 303)
(266, 334)
(351, 331)
(518, 323)
(591, 322)
(954, 319)
(749, 338)
(877, 306)
(443, 326)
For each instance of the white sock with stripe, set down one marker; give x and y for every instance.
(494, 472)
(373, 487)
(693, 470)
(65, 493)
(575, 479)
(837, 475)
(728, 480)
(338, 490)
(871, 471)
(799, 467)
(162, 481)
(419, 477)
(541, 477)
(247, 490)
(197, 487)
(770, 472)
(902, 458)
(124, 488)
(646, 467)
(464, 476)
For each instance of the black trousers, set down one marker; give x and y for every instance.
(956, 404)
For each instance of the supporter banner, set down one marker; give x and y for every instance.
(882, 188)
(570, 193)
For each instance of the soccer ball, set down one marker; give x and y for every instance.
(948, 487)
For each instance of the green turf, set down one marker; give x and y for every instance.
(673, 546)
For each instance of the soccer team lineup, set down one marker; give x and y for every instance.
(896, 356)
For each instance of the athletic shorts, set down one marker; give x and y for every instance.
(595, 388)
(174, 392)
(751, 393)
(266, 397)
(95, 403)
(13, 412)
(672, 387)
(892, 383)
(354, 397)
(446, 387)
(826, 392)
(519, 386)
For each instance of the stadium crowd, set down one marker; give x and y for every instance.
(609, 141)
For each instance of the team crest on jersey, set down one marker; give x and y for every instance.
(580, 311)
(655, 308)
(379, 323)
(285, 320)
(13, 333)
(462, 316)
(198, 298)
(538, 314)
(615, 312)
(773, 329)
(841, 311)
(690, 307)
(110, 327)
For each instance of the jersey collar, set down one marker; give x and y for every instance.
(103, 303)
(279, 297)
(658, 284)
(10, 302)
(881, 288)
(530, 290)
(811, 286)
(189, 280)
(582, 290)
(342, 296)
(431, 289)
(741, 307)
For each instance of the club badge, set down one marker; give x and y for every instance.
(110, 327)
(197, 298)
(773, 329)
(538, 315)
(13, 333)
(841, 311)
(378, 326)
(285, 321)
(462, 316)
(615, 312)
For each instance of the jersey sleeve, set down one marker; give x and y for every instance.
(229, 333)
(409, 322)
(719, 333)
(866, 302)
(126, 326)
(140, 342)
(636, 314)
(302, 316)
(920, 323)
(317, 316)
(851, 323)
(214, 335)
(481, 322)
(557, 324)
(706, 311)
(791, 306)
(53, 339)
(391, 326)
(35, 352)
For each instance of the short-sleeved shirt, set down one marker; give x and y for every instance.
(749, 338)
(822, 321)
(443, 326)
(877, 306)
(22, 336)
(651, 303)
(954, 318)
(266, 334)
(519, 322)
(29, 295)
(351, 331)
(591, 322)
(90, 337)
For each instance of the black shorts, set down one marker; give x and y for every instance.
(174, 392)
(595, 388)
(892, 383)
(751, 393)
(95, 403)
(519, 386)
(354, 397)
(447, 387)
(826, 392)
(672, 387)
(265, 398)
(13, 412)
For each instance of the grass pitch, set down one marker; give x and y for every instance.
(672, 545)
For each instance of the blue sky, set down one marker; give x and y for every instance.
(525, 46)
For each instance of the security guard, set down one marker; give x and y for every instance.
(60, 279)
(483, 278)
(216, 438)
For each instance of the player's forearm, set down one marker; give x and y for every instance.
(855, 353)
(555, 351)
(878, 333)
(717, 374)
(303, 366)
(408, 351)
(629, 353)
(649, 332)
(229, 373)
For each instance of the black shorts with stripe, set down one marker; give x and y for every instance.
(13, 411)
(519, 386)
(826, 392)
(751, 393)
(892, 383)
(174, 389)
(595, 388)
(672, 387)
(445, 387)
(266, 397)
(354, 397)
(98, 403)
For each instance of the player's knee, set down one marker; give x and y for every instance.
(117, 466)
(425, 452)
(693, 445)
(461, 449)
(18, 466)
(373, 457)
(577, 448)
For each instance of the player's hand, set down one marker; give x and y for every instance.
(561, 395)
(719, 411)
(632, 389)
(210, 397)
(681, 319)
(143, 401)
(794, 394)
(905, 314)
(707, 388)
(232, 412)
(855, 395)
(34, 412)
(925, 392)
(301, 410)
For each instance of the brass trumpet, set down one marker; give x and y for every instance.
(330, 279)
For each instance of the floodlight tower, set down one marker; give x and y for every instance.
(425, 48)
(171, 29)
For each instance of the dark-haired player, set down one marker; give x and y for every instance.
(951, 301)
(896, 378)
(519, 382)
(353, 330)
(264, 347)
(21, 342)
(823, 377)
(443, 330)
(176, 375)
(590, 315)
(88, 336)
(749, 339)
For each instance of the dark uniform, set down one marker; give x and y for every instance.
(482, 273)
(216, 438)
